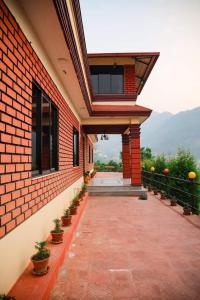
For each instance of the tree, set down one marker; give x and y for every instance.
(146, 153)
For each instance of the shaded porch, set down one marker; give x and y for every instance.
(114, 184)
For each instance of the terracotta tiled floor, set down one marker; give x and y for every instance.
(126, 248)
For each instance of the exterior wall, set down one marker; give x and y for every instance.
(89, 166)
(21, 195)
(129, 80)
(21, 240)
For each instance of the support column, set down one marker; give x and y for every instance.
(135, 155)
(126, 156)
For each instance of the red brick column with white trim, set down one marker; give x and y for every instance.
(126, 163)
(135, 155)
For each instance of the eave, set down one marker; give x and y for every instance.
(120, 110)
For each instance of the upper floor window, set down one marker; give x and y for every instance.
(44, 133)
(75, 147)
(107, 79)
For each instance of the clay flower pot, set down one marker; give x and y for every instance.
(149, 188)
(162, 197)
(187, 211)
(173, 202)
(73, 210)
(57, 237)
(40, 266)
(66, 221)
(86, 179)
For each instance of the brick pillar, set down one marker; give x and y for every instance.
(135, 155)
(126, 156)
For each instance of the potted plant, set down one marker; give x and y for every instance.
(86, 177)
(149, 188)
(163, 195)
(155, 191)
(173, 201)
(57, 233)
(4, 297)
(186, 209)
(66, 218)
(73, 208)
(40, 259)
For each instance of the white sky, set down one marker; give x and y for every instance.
(171, 27)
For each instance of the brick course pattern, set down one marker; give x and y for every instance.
(135, 155)
(126, 160)
(22, 196)
(129, 80)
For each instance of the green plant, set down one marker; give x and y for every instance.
(66, 213)
(57, 228)
(4, 297)
(87, 173)
(42, 251)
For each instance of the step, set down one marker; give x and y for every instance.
(117, 191)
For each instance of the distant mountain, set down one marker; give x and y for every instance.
(162, 132)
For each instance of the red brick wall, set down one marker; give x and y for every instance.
(135, 155)
(129, 80)
(22, 196)
(88, 165)
(126, 161)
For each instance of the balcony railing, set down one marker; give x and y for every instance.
(185, 192)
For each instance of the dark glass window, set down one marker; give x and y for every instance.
(75, 147)
(44, 133)
(107, 79)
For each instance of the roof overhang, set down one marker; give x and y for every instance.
(120, 110)
(143, 61)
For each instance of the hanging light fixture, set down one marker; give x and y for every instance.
(104, 137)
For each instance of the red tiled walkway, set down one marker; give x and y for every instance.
(126, 248)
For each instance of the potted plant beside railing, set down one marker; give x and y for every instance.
(57, 233)
(40, 259)
(173, 201)
(155, 191)
(66, 218)
(163, 195)
(187, 209)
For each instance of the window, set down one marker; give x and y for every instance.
(75, 147)
(44, 133)
(107, 79)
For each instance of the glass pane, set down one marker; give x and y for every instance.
(53, 138)
(95, 83)
(35, 127)
(45, 135)
(104, 84)
(75, 148)
(117, 84)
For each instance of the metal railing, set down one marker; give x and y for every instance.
(185, 192)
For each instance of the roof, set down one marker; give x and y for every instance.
(144, 63)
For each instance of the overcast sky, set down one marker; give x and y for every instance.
(171, 27)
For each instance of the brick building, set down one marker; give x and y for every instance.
(54, 99)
